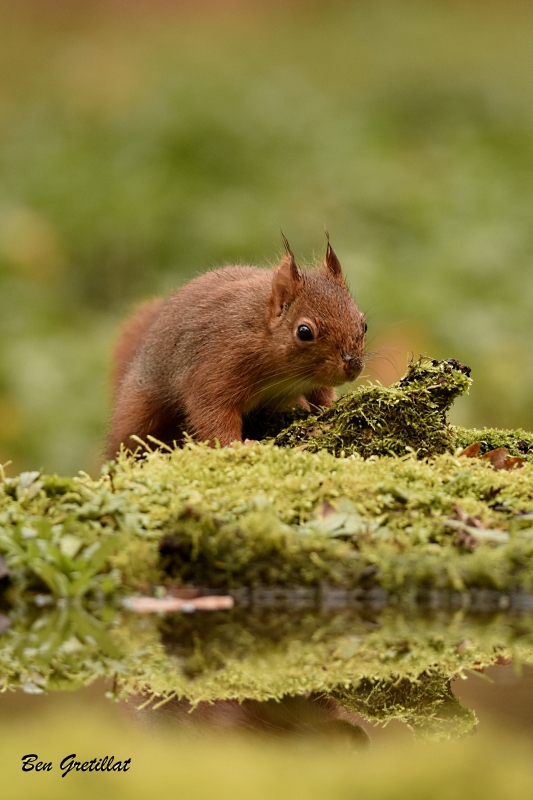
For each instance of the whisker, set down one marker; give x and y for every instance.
(307, 373)
(387, 357)
(302, 375)
(276, 372)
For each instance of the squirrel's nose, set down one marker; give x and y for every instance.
(353, 364)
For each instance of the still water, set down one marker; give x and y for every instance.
(326, 682)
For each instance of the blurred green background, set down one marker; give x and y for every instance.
(142, 143)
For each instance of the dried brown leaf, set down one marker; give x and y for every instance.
(472, 451)
(514, 463)
(497, 457)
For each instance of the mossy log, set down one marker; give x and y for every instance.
(370, 494)
(379, 421)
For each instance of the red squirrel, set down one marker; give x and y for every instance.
(231, 340)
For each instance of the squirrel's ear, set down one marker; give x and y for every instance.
(332, 263)
(287, 281)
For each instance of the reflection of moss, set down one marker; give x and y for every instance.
(426, 703)
(222, 643)
(265, 653)
(382, 665)
(56, 646)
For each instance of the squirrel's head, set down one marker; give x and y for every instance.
(316, 321)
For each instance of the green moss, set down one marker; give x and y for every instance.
(259, 550)
(517, 442)
(411, 415)
(263, 515)
(306, 540)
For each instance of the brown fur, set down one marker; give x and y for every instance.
(130, 337)
(227, 342)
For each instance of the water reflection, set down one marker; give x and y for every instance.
(312, 717)
(282, 665)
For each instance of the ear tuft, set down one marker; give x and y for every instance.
(286, 244)
(287, 281)
(331, 262)
(289, 257)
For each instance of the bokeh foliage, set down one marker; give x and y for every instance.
(139, 148)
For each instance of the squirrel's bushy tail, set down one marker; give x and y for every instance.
(130, 337)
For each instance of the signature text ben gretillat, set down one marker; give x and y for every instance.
(106, 764)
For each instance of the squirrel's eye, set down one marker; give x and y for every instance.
(304, 333)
